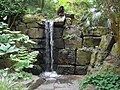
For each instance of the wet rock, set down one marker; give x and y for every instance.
(65, 69)
(35, 33)
(66, 56)
(33, 83)
(83, 57)
(59, 43)
(91, 41)
(81, 70)
(58, 32)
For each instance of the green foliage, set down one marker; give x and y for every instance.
(11, 10)
(106, 80)
(23, 59)
(12, 48)
(8, 84)
(15, 75)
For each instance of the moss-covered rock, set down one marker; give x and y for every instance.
(93, 58)
(32, 18)
(91, 41)
(22, 28)
(28, 18)
(35, 33)
(83, 57)
(75, 42)
(105, 41)
(114, 49)
(66, 56)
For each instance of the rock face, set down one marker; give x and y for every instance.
(70, 57)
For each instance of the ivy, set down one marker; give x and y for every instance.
(106, 80)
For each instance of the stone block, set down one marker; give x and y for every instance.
(91, 41)
(32, 25)
(35, 33)
(65, 69)
(105, 40)
(66, 56)
(58, 32)
(75, 42)
(83, 57)
(22, 28)
(81, 70)
(59, 43)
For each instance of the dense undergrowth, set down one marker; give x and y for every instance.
(106, 80)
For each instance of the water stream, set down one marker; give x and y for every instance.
(49, 29)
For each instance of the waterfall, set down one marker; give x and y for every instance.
(51, 44)
(49, 29)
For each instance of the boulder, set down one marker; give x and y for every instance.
(83, 57)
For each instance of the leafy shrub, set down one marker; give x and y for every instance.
(12, 48)
(106, 80)
(8, 84)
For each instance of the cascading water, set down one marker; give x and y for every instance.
(49, 72)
